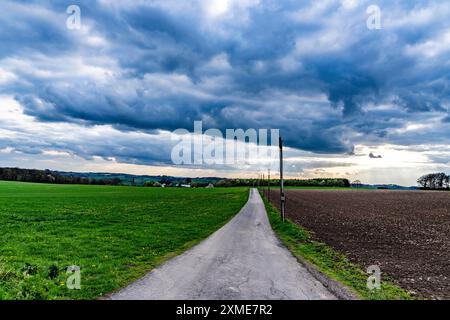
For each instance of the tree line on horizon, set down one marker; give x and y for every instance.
(434, 181)
(316, 182)
(48, 176)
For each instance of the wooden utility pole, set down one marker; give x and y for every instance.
(268, 185)
(262, 183)
(282, 197)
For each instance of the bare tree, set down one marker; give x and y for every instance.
(434, 181)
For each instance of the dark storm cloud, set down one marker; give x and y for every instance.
(310, 68)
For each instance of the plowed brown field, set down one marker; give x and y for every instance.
(406, 233)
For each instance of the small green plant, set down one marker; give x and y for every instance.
(32, 288)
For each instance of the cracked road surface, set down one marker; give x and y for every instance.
(242, 260)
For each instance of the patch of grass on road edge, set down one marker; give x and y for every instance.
(331, 263)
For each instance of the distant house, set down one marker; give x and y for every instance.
(185, 185)
(209, 186)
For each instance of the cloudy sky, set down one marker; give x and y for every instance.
(368, 104)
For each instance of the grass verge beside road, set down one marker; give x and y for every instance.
(331, 263)
(114, 234)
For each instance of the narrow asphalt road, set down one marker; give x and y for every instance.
(242, 260)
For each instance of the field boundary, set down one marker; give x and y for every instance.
(333, 269)
(338, 289)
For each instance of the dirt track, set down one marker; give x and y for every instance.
(406, 233)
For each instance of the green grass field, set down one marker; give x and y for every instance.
(115, 234)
